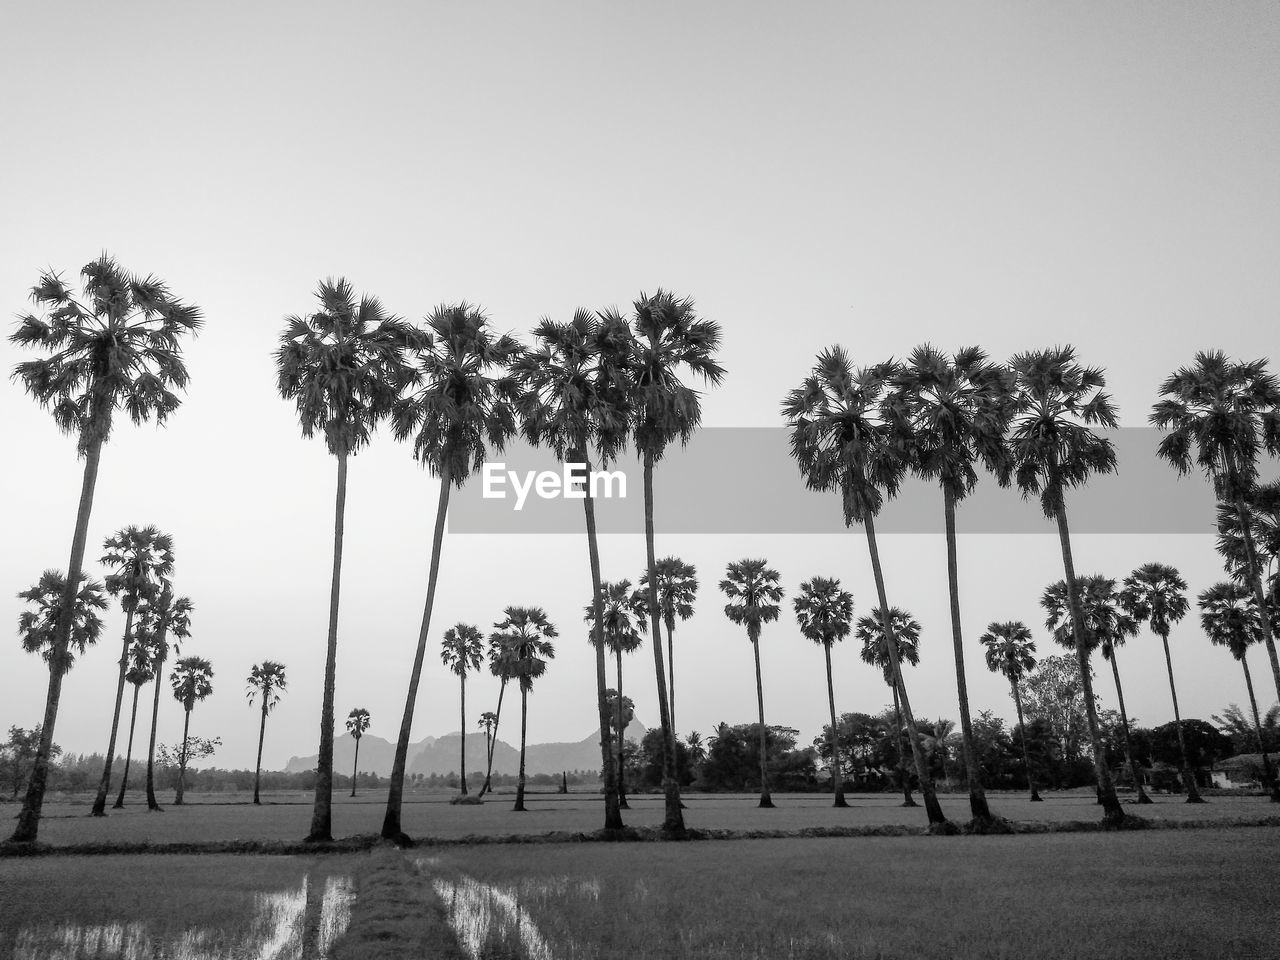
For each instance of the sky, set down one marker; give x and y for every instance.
(877, 175)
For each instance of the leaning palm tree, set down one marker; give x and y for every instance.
(138, 675)
(1012, 652)
(192, 682)
(459, 401)
(502, 664)
(158, 621)
(487, 722)
(1229, 616)
(139, 558)
(953, 413)
(843, 438)
(1220, 415)
(621, 619)
(1053, 448)
(461, 652)
(1107, 625)
(905, 629)
(1156, 594)
(266, 681)
(574, 400)
(117, 347)
(357, 724)
(343, 368)
(825, 615)
(525, 636)
(677, 589)
(670, 341)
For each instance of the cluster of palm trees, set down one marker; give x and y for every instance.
(602, 382)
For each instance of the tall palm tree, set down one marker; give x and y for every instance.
(192, 682)
(139, 558)
(167, 616)
(905, 630)
(1229, 616)
(138, 675)
(953, 413)
(357, 723)
(755, 598)
(845, 439)
(574, 399)
(458, 402)
(525, 634)
(1012, 652)
(1054, 447)
(1220, 415)
(116, 347)
(266, 681)
(343, 366)
(501, 665)
(677, 589)
(670, 341)
(1156, 594)
(825, 615)
(1107, 625)
(621, 621)
(460, 652)
(488, 722)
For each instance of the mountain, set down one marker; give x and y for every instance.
(376, 755)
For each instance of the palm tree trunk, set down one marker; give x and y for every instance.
(182, 761)
(462, 737)
(1259, 594)
(158, 669)
(262, 735)
(934, 809)
(903, 778)
(1188, 776)
(128, 753)
(322, 809)
(104, 785)
(1124, 729)
(612, 805)
(671, 675)
(524, 719)
(621, 738)
(1267, 773)
(355, 767)
(673, 820)
(1111, 810)
(29, 818)
(391, 821)
(973, 772)
(837, 770)
(1026, 754)
(765, 799)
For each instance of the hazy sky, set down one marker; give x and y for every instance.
(876, 175)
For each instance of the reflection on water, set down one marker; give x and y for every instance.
(294, 924)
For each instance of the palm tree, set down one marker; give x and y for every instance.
(501, 665)
(487, 722)
(1262, 509)
(1156, 594)
(844, 439)
(755, 598)
(1227, 412)
(677, 589)
(825, 615)
(116, 347)
(621, 619)
(343, 368)
(1107, 625)
(1053, 448)
(357, 724)
(138, 675)
(266, 681)
(574, 400)
(139, 557)
(670, 340)
(39, 628)
(158, 620)
(525, 636)
(460, 652)
(1230, 618)
(905, 630)
(1012, 652)
(192, 682)
(953, 413)
(459, 399)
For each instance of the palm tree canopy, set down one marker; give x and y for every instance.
(460, 397)
(522, 640)
(358, 722)
(488, 720)
(1106, 622)
(677, 589)
(669, 340)
(844, 435)
(163, 622)
(953, 413)
(623, 621)
(343, 365)
(192, 680)
(754, 594)
(462, 648)
(139, 671)
(824, 611)
(117, 347)
(38, 627)
(141, 559)
(1229, 616)
(266, 679)
(1219, 414)
(875, 648)
(1010, 650)
(1262, 510)
(1156, 594)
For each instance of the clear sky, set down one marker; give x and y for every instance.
(877, 175)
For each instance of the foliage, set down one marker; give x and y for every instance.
(38, 627)
(733, 759)
(1238, 726)
(17, 756)
(358, 721)
(266, 681)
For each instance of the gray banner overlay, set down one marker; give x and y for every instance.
(743, 480)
